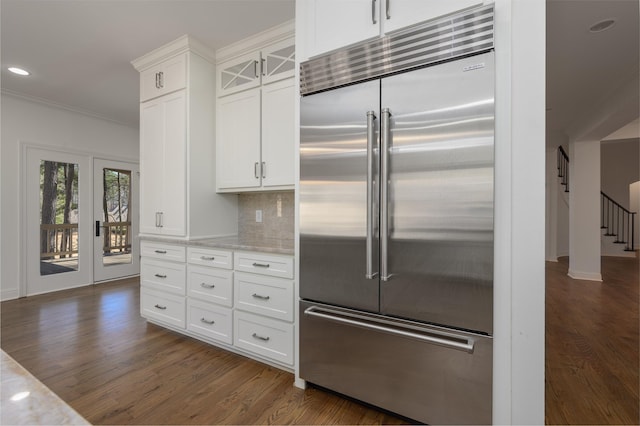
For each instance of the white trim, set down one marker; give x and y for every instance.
(256, 42)
(9, 294)
(180, 45)
(52, 104)
(587, 276)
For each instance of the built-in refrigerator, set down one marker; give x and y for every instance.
(396, 220)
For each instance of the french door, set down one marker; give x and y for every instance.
(58, 214)
(115, 224)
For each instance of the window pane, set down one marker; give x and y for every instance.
(58, 217)
(116, 225)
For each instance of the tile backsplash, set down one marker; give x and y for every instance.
(277, 215)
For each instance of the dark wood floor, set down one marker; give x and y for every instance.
(91, 347)
(592, 331)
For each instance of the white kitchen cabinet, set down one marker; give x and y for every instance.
(211, 321)
(332, 24)
(164, 78)
(177, 145)
(255, 138)
(163, 307)
(264, 336)
(162, 165)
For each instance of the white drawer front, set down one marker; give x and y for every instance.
(210, 257)
(163, 251)
(264, 295)
(210, 321)
(163, 307)
(265, 264)
(210, 284)
(166, 276)
(267, 337)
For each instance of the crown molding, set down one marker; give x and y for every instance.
(185, 43)
(257, 41)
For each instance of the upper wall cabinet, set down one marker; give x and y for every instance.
(164, 78)
(332, 24)
(255, 116)
(271, 63)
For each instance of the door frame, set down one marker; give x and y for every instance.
(114, 272)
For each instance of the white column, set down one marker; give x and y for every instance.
(551, 212)
(584, 210)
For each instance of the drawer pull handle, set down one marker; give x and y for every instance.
(161, 307)
(161, 251)
(259, 296)
(261, 265)
(207, 258)
(161, 276)
(259, 337)
(206, 321)
(205, 285)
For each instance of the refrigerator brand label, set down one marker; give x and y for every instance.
(473, 67)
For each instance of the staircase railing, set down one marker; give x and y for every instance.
(563, 168)
(618, 222)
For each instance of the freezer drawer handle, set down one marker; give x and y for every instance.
(261, 297)
(441, 341)
(261, 265)
(259, 337)
(160, 307)
(205, 285)
(206, 321)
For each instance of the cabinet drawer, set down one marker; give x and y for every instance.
(265, 264)
(167, 77)
(162, 251)
(210, 321)
(161, 306)
(210, 257)
(210, 284)
(264, 295)
(264, 336)
(166, 276)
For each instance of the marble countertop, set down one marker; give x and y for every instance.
(235, 242)
(26, 401)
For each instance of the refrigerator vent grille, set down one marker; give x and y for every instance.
(461, 34)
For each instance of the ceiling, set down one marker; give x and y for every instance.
(79, 51)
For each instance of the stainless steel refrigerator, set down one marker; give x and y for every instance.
(396, 220)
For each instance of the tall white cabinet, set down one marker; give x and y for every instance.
(177, 144)
(255, 113)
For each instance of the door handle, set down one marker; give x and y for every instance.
(97, 228)
(384, 194)
(388, 9)
(371, 117)
(373, 12)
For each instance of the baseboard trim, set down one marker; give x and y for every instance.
(587, 276)
(9, 294)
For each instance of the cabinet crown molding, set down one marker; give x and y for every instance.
(180, 45)
(256, 42)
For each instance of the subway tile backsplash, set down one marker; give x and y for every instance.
(277, 215)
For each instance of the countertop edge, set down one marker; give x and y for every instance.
(284, 247)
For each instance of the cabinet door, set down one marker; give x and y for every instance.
(174, 201)
(238, 141)
(162, 165)
(400, 13)
(238, 74)
(278, 61)
(151, 163)
(164, 78)
(278, 133)
(336, 23)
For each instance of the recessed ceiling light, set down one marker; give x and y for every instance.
(18, 71)
(598, 27)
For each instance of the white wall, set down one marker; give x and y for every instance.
(25, 121)
(619, 168)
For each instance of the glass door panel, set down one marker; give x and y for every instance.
(116, 215)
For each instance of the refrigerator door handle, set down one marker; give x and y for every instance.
(461, 343)
(371, 117)
(384, 193)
